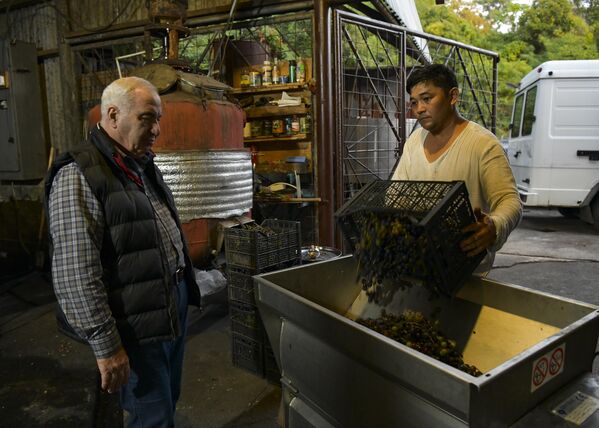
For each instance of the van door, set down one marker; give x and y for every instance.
(574, 133)
(520, 145)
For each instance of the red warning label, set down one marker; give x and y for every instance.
(547, 367)
(539, 372)
(556, 361)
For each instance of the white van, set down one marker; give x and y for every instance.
(553, 145)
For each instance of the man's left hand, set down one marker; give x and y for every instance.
(482, 234)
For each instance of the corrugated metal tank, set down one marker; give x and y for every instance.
(201, 155)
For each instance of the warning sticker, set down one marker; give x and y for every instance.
(547, 367)
(577, 408)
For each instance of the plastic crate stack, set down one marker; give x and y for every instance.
(441, 209)
(252, 250)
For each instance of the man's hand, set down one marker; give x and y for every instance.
(114, 371)
(483, 234)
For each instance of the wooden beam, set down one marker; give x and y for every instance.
(6, 5)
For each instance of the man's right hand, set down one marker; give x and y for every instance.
(114, 371)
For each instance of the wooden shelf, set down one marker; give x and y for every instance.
(268, 89)
(286, 138)
(274, 111)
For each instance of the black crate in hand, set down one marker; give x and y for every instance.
(412, 229)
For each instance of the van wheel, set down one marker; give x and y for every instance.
(595, 211)
(568, 212)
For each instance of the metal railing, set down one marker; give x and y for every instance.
(372, 61)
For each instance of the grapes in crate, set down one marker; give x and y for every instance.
(392, 248)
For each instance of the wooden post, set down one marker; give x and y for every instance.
(70, 91)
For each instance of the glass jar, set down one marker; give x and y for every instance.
(308, 124)
(247, 130)
(257, 128)
(266, 74)
(255, 79)
(267, 127)
(301, 71)
(295, 125)
(278, 127)
(245, 78)
(292, 71)
(275, 73)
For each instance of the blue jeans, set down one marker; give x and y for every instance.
(151, 395)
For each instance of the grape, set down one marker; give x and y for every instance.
(413, 329)
(393, 248)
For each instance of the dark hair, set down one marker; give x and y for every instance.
(438, 74)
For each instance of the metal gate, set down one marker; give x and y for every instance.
(372, 121)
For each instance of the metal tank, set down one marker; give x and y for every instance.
(200, 153)
(200, 148)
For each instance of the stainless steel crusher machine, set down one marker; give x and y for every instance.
(535, 351)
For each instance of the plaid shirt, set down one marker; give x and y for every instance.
(77, 229)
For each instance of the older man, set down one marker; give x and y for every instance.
(120, 268)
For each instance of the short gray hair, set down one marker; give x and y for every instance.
(120, 93)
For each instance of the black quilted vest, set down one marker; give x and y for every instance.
(134, 269)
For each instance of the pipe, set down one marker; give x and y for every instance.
(326, 142)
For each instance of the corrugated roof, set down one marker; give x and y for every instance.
(405, 12)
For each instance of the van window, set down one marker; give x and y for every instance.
(517, 117)
(529, 111)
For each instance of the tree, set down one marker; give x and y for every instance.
(589, 11)
(545, 19)
(524, 36)
(501, 14)
(447, 22)
(576, 44)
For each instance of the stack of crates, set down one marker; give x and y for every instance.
(252, 250)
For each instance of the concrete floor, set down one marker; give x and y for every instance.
(47, 380)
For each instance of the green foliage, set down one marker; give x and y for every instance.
(285, 40)
(524, 36)
(510, 73)
(546, 18)
(448, 22)
(570, 46)
(501, 14)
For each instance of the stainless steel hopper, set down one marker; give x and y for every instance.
(336, 372)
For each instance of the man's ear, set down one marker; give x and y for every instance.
(454, 96)
(112, 114)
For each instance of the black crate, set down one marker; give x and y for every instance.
(247, 354)
(241, 285)
(253, 249)
(246, 320)
(440, 210)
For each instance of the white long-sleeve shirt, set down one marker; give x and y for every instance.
(477, 158)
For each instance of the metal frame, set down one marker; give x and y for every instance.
(379, 78)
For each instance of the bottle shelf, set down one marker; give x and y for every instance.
(274, 111)
(270, 138)
(268, 88)
(285, 200)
